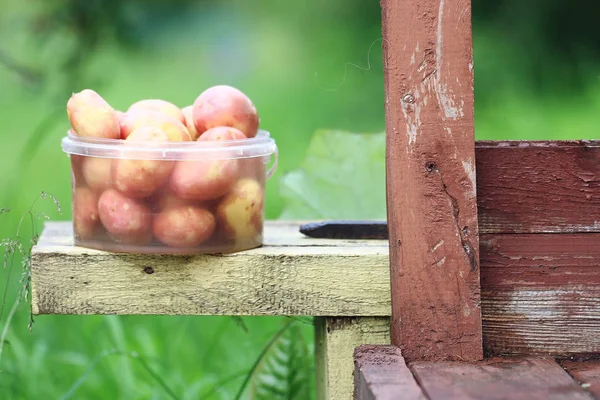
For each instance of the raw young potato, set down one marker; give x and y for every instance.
(141, 178)
(96, 172)
(203, 179)
(166, 200)
(86, 220)
(91, 116)
(240, 213)
(174, 129)
(127, 220)
(185, 226)
(161, 106)
(220, 133)
(189, 122)
(225, 106)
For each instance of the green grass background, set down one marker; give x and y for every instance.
(290, 58)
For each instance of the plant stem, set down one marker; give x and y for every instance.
(11, 314)
(156, 376)
(261, 356)
(12, 259)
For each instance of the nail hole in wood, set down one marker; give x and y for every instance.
(430, 166)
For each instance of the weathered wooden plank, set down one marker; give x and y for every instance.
(431, 188)
(541, 293)
(497, 379)
(335, 341)
(380, 373)
(587, 373)
(283, 278)
(537, 187)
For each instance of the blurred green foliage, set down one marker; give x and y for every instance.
(537, 76)
(340, 178)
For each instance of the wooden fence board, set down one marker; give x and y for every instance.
(541, 293)
(538, 187)
(498, 379)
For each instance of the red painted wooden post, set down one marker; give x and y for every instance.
(431, 194)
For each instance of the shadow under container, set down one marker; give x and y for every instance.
(169, 197)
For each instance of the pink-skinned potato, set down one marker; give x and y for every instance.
(97, 173)
(138, 178)
(203, 179)
(127, 220)
(165, 200)
(86, 220)
(224, 105)
(184, 226)
(222, 133)
(189, 122)
(161, 106)
(132, 120)
(91, 116)
(240, 212)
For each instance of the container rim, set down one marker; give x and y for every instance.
(260, 145)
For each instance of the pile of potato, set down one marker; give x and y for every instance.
(183, 203)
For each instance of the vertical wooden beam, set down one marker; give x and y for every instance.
(335, 341)
(431, 194)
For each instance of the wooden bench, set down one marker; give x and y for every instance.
(493, 250)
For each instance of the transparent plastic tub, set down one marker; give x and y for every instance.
(169, 198)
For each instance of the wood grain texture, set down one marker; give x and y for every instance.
(335, 341)
(380, 373)
(497, 379)
(431, 187)
(538, 187)
(541, 293)
(587, 373)
(288, 276)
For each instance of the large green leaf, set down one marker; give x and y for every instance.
(284, 371)
(341, 177)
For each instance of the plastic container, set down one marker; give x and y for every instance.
(169, 198)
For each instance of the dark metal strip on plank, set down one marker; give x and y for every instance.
(346, 230)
